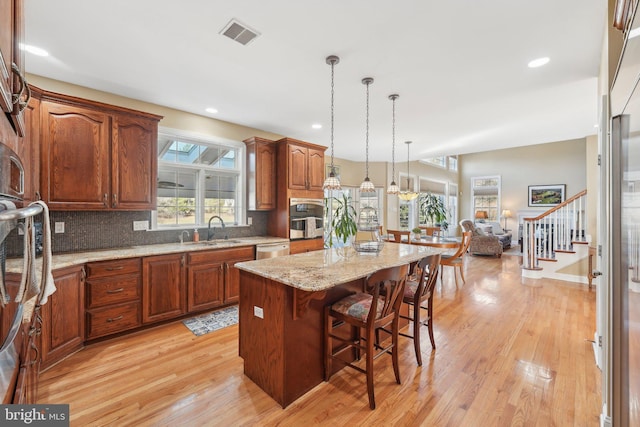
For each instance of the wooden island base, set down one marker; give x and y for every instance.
(281, 338)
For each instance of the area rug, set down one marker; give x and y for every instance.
(213, 321)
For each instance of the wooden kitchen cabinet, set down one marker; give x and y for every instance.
(304, 165)
(13, 90)
(261, 174)
(213, 279)
(113, 297)
(205, 276)
(307, 245)
(232, 274)
(26, 391)
(134, 153)
(163, 287)
(95, 156)
(300, 175)
(63, 316)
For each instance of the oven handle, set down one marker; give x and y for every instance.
(14, 214)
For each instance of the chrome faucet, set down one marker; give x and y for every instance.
(182, 235)
(210, 233)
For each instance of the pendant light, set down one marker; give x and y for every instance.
(332, 182)
(393, 187)
(367, 186)
(408, 195)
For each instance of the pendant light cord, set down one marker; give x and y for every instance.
(408, 176)
(393, 142)
(332, 65)
(367, 136)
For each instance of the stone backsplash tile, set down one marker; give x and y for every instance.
(106, 230)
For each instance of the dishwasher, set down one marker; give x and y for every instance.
(272, 250)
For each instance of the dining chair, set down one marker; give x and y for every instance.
(397, 235)
(432, 231)
(456, 260)
(368, 311)
(418, 295)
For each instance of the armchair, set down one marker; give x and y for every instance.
(484, 243)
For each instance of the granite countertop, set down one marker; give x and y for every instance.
(14, 265)
(320, 270)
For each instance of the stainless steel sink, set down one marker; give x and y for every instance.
(219, 242)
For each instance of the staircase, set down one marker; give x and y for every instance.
(555, 244)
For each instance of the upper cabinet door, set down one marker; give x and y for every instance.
(297, 167)
(75, 157)
(6, 54)
(134, 154)
(316, 169)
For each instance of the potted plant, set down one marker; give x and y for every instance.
(417, 232)
(432, 207)
(343, 221)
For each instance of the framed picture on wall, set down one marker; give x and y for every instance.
(546, 195)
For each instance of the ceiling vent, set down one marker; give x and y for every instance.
(239, 32)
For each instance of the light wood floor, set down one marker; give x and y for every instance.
(509, 354)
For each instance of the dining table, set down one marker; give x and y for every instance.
(436, 242)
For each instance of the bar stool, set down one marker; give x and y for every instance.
(416, 293)
(368, 312)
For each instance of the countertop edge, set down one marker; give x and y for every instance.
(14, 265)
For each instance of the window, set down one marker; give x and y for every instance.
(447, 192)
(359, 201)
(198, 178)
(486, 197)
(438, 161)
(453, 163)
(436, 188)
(445, 162)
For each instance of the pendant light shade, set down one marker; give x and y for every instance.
(332, 182)
(367, 186)
(393, 187)
(408, 195)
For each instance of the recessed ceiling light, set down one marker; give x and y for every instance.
(35, 50)
(316, 126)
(538, 62)
(211, 110)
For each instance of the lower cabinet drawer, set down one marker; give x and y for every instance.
(112, 290)
(112, 319)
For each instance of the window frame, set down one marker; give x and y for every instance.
(497, 195)
(239, 171)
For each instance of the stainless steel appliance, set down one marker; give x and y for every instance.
(306, 218)
(11, 190)
(11, 175)
(272, 250)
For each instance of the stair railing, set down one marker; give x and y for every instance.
(555, 230)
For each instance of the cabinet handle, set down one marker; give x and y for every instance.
(114, 268)
(104, 200)
(115, 200)
(37, 354)
(115, 291)
(38, 196)
(23, 86)
(114, 319)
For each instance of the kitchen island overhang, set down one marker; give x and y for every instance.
(281, 311)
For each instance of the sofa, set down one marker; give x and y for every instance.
(487, 238)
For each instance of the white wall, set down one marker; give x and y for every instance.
(543, 164)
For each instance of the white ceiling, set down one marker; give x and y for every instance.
(460, 67)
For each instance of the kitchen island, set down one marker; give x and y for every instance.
(281, 311)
